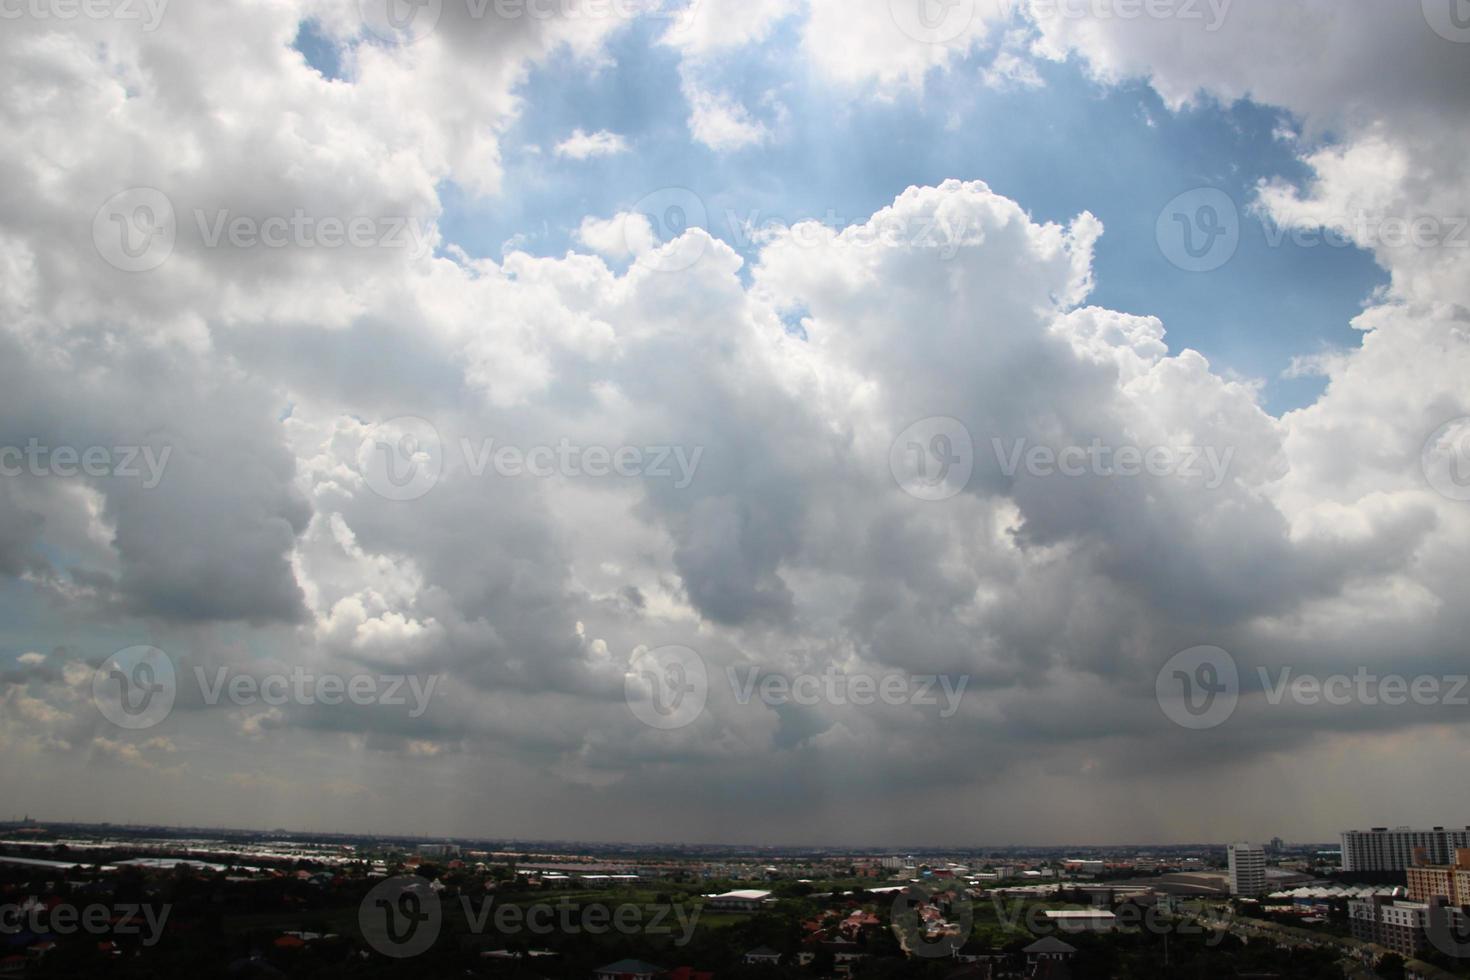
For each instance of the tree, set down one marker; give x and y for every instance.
(1391, 967)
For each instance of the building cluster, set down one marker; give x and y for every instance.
(1058, 894)
(1436, 866)
(1449, 881)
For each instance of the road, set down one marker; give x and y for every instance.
(1353, 967)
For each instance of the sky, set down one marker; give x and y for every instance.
(860, 422)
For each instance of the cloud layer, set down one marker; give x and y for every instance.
(707, 449)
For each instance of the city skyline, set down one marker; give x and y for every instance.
(905, 420)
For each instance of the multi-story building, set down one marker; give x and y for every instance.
(1450, 881)
(1427, 882)
(1247, 869)
(1400, 925)
(1382, 849)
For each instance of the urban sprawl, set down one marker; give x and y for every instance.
(81, 900)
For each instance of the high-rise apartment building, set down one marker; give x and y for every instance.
(1382, 849)
(1247, 869)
